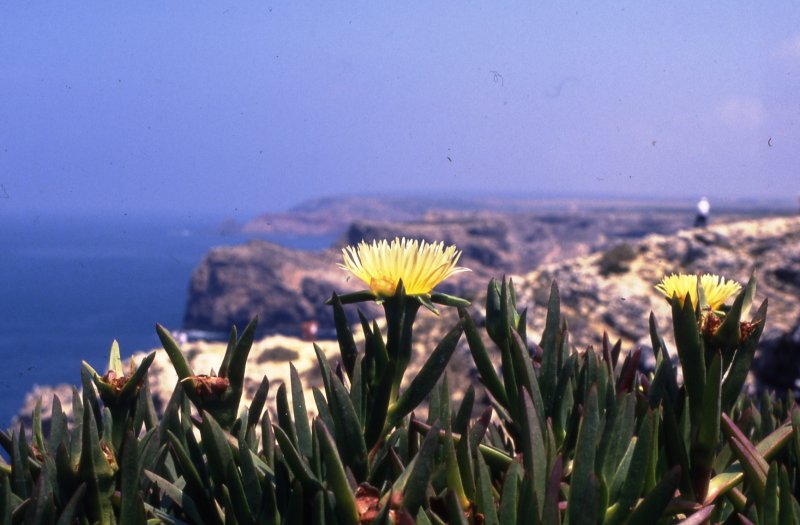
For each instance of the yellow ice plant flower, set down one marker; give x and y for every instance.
(419, 264)
(716, 289)
(679, 285)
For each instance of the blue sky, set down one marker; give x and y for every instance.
(238, 108)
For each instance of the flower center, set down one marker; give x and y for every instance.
(382, 286)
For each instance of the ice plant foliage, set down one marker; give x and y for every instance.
(716, 289)
(576, 438)
(420, 265)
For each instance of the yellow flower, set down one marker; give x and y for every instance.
(679, 285)
(715, 288)
(420, 265)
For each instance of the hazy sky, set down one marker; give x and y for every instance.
(244, 107)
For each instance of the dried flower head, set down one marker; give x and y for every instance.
(420, 265)
(716, 289)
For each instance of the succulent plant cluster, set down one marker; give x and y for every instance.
(570, 436)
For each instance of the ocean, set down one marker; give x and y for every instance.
(70, 285)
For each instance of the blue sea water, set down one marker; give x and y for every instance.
(70, 285)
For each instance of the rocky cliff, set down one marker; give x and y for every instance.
(288, 287)
(612, 289)
(283, 287)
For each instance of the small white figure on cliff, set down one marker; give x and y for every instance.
(703, 207)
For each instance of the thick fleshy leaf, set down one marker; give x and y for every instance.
(691, 354)
(296, 464)
(617, 434)
(178, 496)
(753, 464)
(634, 479)
(285, 415)
(427, 377)
(449, 300)
(226, 357)
(336, 477)
(550, 513)
(484, 494)
(534, 456)
(302, 430)
(416, 484)
(788, 504)
(174, 353)
(216, 447)
(349, 436)
(700, 516)
(42, 506)
(769, 509)
(736, 373)
(241, 506)
(95, 471)
(257, 405)
(509, 501)
(452, 469)
(344, 336)
(525, 374)
(768, 448)
(550, 344)
(455, 510)
(195, 486)
(69, 511)
(726, 338)
(708, 431)
(483, 362)
(131, 504)
(356, 297)
(583, 494)
(652, 506)
(461, 420)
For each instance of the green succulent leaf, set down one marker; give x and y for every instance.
(550, 344)
(484, 493)
(483, 362)
(652, 507)
(633, 481)
(346, 509)
(449, 300)
(550, 513)
(296, 464)
(414, 486)
(174, 353)
(736, 373)
(347, 345)
(753, 463)
(70, 509)
(691, 354)
(583, 492)
(131, 502)
(509, 501)
(349, 436)
(179, 497)
(427, 377)
(534, 456)
(301, 427)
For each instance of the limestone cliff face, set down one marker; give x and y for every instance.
(614, 290)
(287, 287)
(283, 287)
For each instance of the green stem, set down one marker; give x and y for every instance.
(401, 311)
